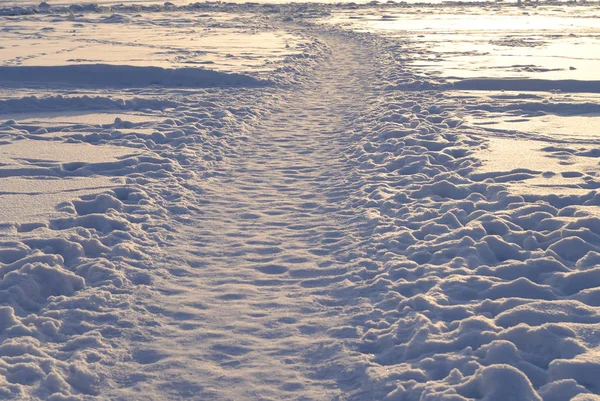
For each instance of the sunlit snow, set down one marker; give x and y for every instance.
(299, 201)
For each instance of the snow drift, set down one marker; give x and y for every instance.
(123, 76)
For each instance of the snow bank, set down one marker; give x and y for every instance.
(51, 103)
(104, 75)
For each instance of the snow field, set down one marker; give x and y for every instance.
(523, 73)
(195, 49)
(338, 236)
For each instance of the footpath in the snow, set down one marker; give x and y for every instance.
(247, 318)
(326, 235)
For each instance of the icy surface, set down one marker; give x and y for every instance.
(319, 211)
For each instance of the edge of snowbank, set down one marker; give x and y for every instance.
(105, 75)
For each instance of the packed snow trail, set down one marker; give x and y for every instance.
(244, 322)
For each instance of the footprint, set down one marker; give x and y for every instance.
(292, 386)
(571, 174)
(268, 250)
(249, 216)
(147, 356)
(333, 234)
(272, 269)
(296, 260)
(230, 350)
(232, 297)
(189, 326)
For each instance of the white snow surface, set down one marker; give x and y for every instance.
(319, 208)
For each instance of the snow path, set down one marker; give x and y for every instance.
(260, 249)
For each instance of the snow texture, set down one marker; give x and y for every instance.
(346, 224)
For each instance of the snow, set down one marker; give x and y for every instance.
(59, 152)
(122, 76)
(542, 168)
(58, 118)
(560, 127)
(299, 202)
(220, 41)
(60, 54)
